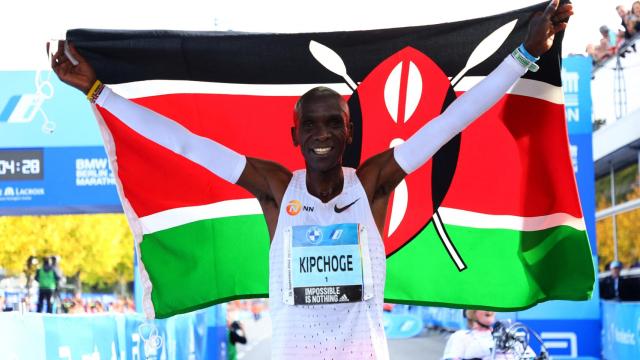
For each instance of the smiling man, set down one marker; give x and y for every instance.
(327, 258)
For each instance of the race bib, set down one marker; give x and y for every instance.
(325, 264)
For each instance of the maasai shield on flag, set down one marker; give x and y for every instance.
(492, 221)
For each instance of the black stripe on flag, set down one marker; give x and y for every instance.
(260, 58)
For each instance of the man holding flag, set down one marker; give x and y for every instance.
(327, 258)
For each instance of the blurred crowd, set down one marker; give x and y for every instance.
(74, 305)
(39, 289)
(612, 41)
(79, 305)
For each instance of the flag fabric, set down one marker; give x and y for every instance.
(492, 221)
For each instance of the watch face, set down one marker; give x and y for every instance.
(21, 164)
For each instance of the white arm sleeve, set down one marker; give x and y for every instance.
(205, 152)
(422, 145)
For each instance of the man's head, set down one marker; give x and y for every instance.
(622, 12)
(604, 30)
(480, 317)
(322, 128)
(635, 8)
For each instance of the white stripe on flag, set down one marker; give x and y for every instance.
(524, 87)
(181, 216)
(486, 221)
(139, 89)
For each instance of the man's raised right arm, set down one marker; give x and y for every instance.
(252, 174)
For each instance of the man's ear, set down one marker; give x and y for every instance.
(350, 133)
(294, 136)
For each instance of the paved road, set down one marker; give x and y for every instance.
(428, 346)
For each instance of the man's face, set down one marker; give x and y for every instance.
(322, 131)
(621, 11)
(615, 272)
(486, 318)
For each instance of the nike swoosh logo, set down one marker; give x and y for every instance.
(341, 209)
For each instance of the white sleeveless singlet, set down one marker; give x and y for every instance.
(351, 330)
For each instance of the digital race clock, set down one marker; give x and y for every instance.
(21, 164)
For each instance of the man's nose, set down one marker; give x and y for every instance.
(322, 133)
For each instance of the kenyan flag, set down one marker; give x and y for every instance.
(492, 221)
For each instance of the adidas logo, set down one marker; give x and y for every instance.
(344, 298)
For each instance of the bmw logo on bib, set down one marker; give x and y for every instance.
(314, 235)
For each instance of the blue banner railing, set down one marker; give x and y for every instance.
(620, 330)
(111, 336)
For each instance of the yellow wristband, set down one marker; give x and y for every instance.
(93, 89)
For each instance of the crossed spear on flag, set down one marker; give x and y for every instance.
(334, 63)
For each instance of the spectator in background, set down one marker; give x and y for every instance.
(607, 45)
(477, 342)
(236, 336)
(129, 305)
(605, 48)
(97, 307)
(47, 283)
(610, 285)
(117, 306)
(624, 18)
(633, 20)
(3, 305)
(591, 51)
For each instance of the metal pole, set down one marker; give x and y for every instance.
(613, 217)
(619, 90)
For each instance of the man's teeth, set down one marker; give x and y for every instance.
(322, 151)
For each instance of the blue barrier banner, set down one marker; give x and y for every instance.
(578, 339)
(59, 180)
(576, 85)
(21, 336)
(33, 336)
(402, 326)
(451, 319)
(80, 336)
(217, 332)
(620, 330)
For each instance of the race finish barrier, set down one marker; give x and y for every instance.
(620, 330)
(108, 336)
(450, 319)
(402, 321)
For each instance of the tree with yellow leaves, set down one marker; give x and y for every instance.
(94, 249)
(628, 233)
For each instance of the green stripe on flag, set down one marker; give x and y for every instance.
(207, 262)
(507, 269)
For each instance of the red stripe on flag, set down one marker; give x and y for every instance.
(156, 179)
(531, 177)
(514, 160)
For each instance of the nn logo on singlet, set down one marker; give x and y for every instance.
(294, 207)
